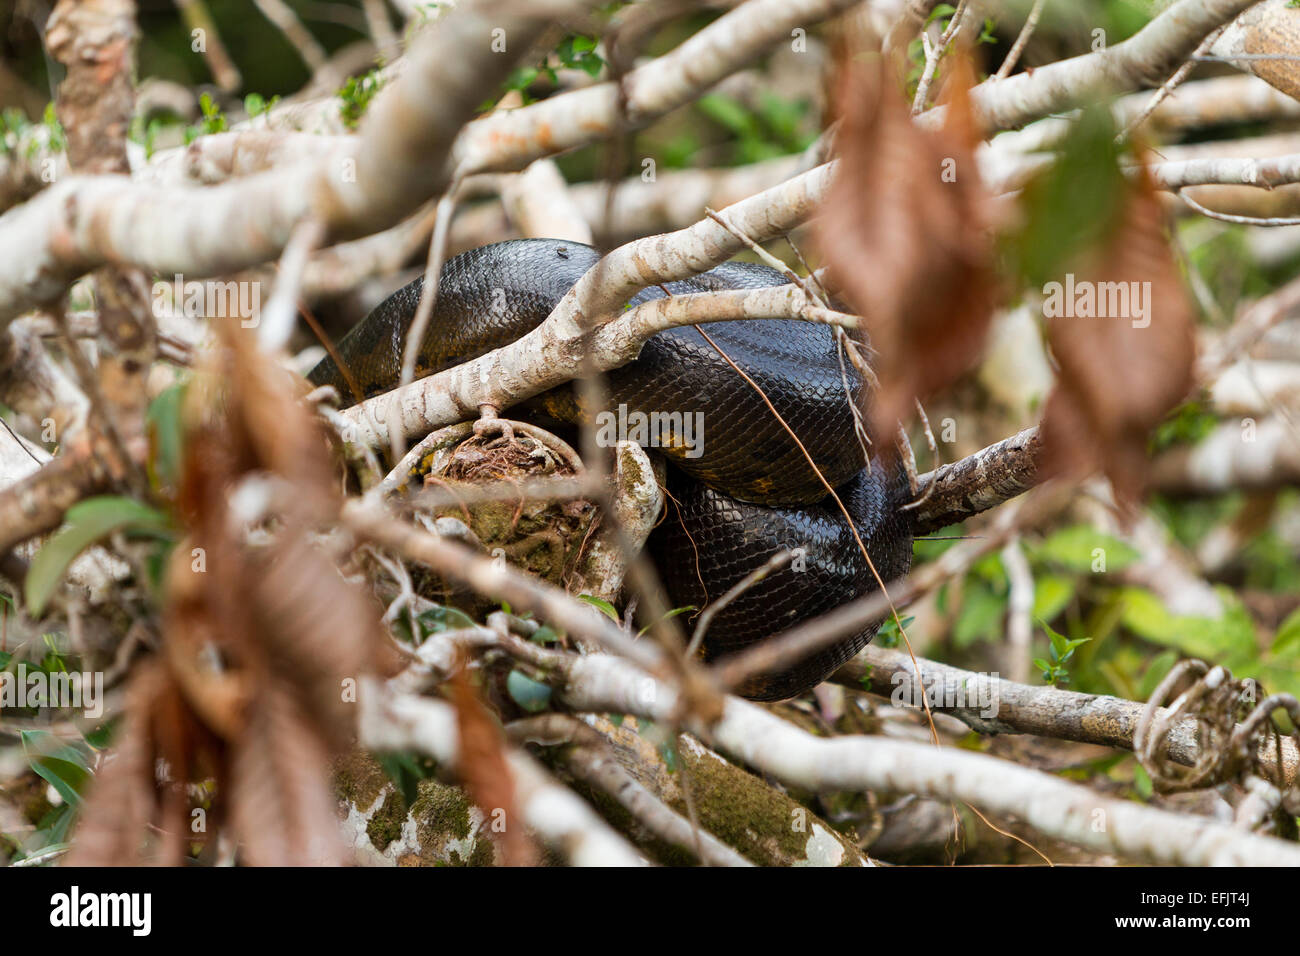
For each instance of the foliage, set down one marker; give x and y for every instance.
(87, 522)
(356, 95)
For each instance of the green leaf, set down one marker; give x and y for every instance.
(85, 524)
(529, 694)
(671, 614)
(989, 568)
(166, 430)
(729, 113)
(64, 768)
(981, 615)
(1142, 783)
(1287, 641)
(213, 121)
(356, 95)
(1059, 642)
(545, 635)
(406, 772)
(66, 777)
(940, 11)
(1074, 548)
(669, 753)
(1186, 424)
(1075, 204)
(1052, 593)
(100, 737)
(607, 608)
(889, 633)
(1160, 665)
(1228, 640)
(439, 618)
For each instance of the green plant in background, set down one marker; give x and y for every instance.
(256, 105)
(146, 133)
(1059, 654)
(771, 127)
(578, 52)
(1074, 205)
(85, 523)
(916, 48)
(13, 123)
(211, 121)
(1186, 424)
(356, 95)
(602, 605)
(575, 52)
(889, 632)
(58, 141)
(1119, 638)
(66, 769)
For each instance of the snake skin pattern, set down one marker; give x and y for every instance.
(750, 493)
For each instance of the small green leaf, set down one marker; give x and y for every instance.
(405, 771)
(63, 775)
(64, 769)
(939, 12)
(100, 737)
(671, 760)
(86, 523)
(671, 614)
(356, 95)
(529, 694)
(545, 635)
(889, 632)
(608, 609)
(166, 431)
(1142, 783)
(440, 618)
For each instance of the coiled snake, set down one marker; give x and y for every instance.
(744, 489)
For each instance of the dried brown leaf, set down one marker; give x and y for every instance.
(487, 776)
(261, 644)
(1121, 374)
(906, 233)
(282, 803)
(138, 811)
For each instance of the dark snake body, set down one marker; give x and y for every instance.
(749, 494)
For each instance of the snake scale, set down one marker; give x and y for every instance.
(742, 493)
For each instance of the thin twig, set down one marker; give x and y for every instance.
(1013, 55)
